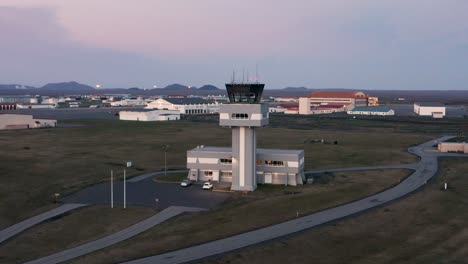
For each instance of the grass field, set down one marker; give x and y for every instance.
(38, 163)
(266, 206)
(171, 177)
(429, 226)
(62, 233)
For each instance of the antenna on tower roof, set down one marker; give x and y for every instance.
(256, 72)
(243, 75)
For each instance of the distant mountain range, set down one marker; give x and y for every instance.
(70, 88)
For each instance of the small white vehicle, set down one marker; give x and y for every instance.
(207, 186)
(185, 183)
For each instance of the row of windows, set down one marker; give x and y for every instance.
(225, 161)
(208, 173)
(195, 111)
(273, 163)
(239, 116)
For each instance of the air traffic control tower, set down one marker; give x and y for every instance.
(243, 114)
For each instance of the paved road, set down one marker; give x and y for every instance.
(28, 223)
(116, 237)
(412, 166)
(425, 169)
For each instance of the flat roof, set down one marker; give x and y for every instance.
(259, 150)
(372, 108)
(429, 104)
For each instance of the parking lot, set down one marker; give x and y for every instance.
(149, 193)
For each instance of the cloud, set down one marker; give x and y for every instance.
(421, 44)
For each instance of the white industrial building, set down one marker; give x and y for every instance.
(371, 110)
(36, 106)
(15, 121)
(321, 99)
(155, 115)
(185, 105)
(434, 109)
(131, 102)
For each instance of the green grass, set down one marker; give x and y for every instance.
(266, 206)
(38, 163)
(61, 233)
(426, 227)
(458, 139)
(172, 177)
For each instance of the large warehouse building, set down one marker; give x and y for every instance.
(371, 110)
(155, 115)
(458, 147)
(14, 121)
(185, 105)
(347, 100)
(244, 165)
(434, 109)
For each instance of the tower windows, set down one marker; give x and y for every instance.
(239, 116)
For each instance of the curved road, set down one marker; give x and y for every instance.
(425, 169)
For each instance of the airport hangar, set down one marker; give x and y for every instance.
(244, 165)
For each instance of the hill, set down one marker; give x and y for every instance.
(208, 87)
(67, 86)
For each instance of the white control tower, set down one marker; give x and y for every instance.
(243, 114)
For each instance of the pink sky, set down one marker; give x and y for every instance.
(302, 43)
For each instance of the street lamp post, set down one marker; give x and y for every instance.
(165, 148)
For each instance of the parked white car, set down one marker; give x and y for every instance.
(207, 186)
(185, 183)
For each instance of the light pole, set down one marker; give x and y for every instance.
(165, 148)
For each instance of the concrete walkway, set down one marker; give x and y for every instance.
(425, 169)
(116, 237)
(28, 223)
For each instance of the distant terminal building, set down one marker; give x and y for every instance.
(348, 100)
(185, 105)
(221, 98)
(285, 99)
(155, 115)
(7, 106)
(15, 121)
(458, 147)
(372, 101)
(131, 102)
(327, 109)
(434, 109)
(35, 106)
(15, 99)
(371, 110)
(243, 165)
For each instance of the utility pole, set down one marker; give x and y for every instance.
(112, 189)
(165, 148)
(125, 191)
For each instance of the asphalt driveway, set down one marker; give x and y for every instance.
(145, 193)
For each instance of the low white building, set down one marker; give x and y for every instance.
(436, 110)
(371, 110)
(155, 115)
(131, 102)
(36, 106)
(15, 121)
(185, 105)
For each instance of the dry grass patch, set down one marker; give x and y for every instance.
(426, 227)
(70, 230)
(266, 206)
